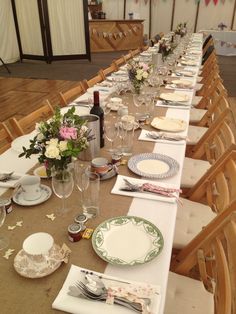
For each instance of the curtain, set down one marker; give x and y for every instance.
(9, 51)
(67, 27)
(113, 9)
(161, 16)
(29, 26)
(140, 10)
(185, 11)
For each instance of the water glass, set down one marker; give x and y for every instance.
(126, 134)
(4, 241)
(90, 192)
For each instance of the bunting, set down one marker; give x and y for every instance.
(215, 2)
(115, 35)
(207, 2)
(223, 43)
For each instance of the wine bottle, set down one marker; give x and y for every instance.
(98, 111)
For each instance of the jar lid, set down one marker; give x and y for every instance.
(74, 228)
(81, 218)
(5, 201)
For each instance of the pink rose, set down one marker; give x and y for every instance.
(68, 133)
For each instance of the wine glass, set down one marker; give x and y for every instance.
(62, 185)
(139, 102)
(4, 241)
(111, 131)
(79, 170)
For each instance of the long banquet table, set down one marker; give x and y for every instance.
(24, 295)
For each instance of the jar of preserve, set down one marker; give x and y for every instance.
(74, 232)
(7, 203)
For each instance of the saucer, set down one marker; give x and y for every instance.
(110, 174)
(18, 197)
(28, 268)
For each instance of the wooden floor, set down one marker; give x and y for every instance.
(19, 97)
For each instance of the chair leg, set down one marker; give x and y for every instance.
(5, 66)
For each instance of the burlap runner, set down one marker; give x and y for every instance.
(21, 295)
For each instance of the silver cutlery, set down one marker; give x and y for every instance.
(164, 136)
(102, 276)
(4, 177)
(174, 103)
(102, 296)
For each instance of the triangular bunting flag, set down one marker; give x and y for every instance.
(223, 1)
(207, 2)
(215, 1)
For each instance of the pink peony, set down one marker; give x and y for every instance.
(68, 133)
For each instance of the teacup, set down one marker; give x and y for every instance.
(115, 103)
(100, 165)
(38, 245)
(31, 187)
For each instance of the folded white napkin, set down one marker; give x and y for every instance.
(151, 196)
(75, 305)
(144, 137)
(12, 183)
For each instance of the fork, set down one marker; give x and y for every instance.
(163, 136)
(103, 296)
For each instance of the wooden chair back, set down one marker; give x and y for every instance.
(119, 62)
(71, 94)
(213, 251)
(27, 124)
(218, 138)
(94, 80)
(209, 43)
(217, 186)
(108, 71)
(5, 137)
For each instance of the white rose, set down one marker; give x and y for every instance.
(53, 142)
(63, 146)
(52, 151)
(145, 74)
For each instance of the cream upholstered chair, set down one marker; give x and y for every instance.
(213, 253)
(27, 124)
(71, 94)
(5, 138)
(209, 148)
(197, 133)
(210, 195)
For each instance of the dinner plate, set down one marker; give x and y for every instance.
(127, 240)
(19, 199)
(174, 97)
(103, 91)
(169, 124)
(187, 73)
(188, 62)
(182, 83)
(154, 166)
(29, 268)
(21, 141)
(118, 78)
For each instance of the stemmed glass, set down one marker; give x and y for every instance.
(62, 185)
(79, 170)
(139, 102)
(3, 240)
(111, 131)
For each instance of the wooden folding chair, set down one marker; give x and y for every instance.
(27, 124)
(212, 194)
(71, 94)
(112, 68)
(94, 80)
(213, 254)
(5, 137)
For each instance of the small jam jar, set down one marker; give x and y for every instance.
(7, 203)
(75, 232)
(81, 219)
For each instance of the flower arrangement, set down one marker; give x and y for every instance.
(181, 29)
(138, 73)
(58, 140)
(165, 48)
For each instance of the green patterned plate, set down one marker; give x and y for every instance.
(127, 240)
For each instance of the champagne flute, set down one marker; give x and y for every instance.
(111, 131)
(62, 185)
(4, 241)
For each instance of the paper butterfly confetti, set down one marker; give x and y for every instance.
(8, 253)
(51, 216)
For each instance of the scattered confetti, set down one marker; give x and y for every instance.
(19, 223)
(8, 253)
(51, 216)
(11, 227)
